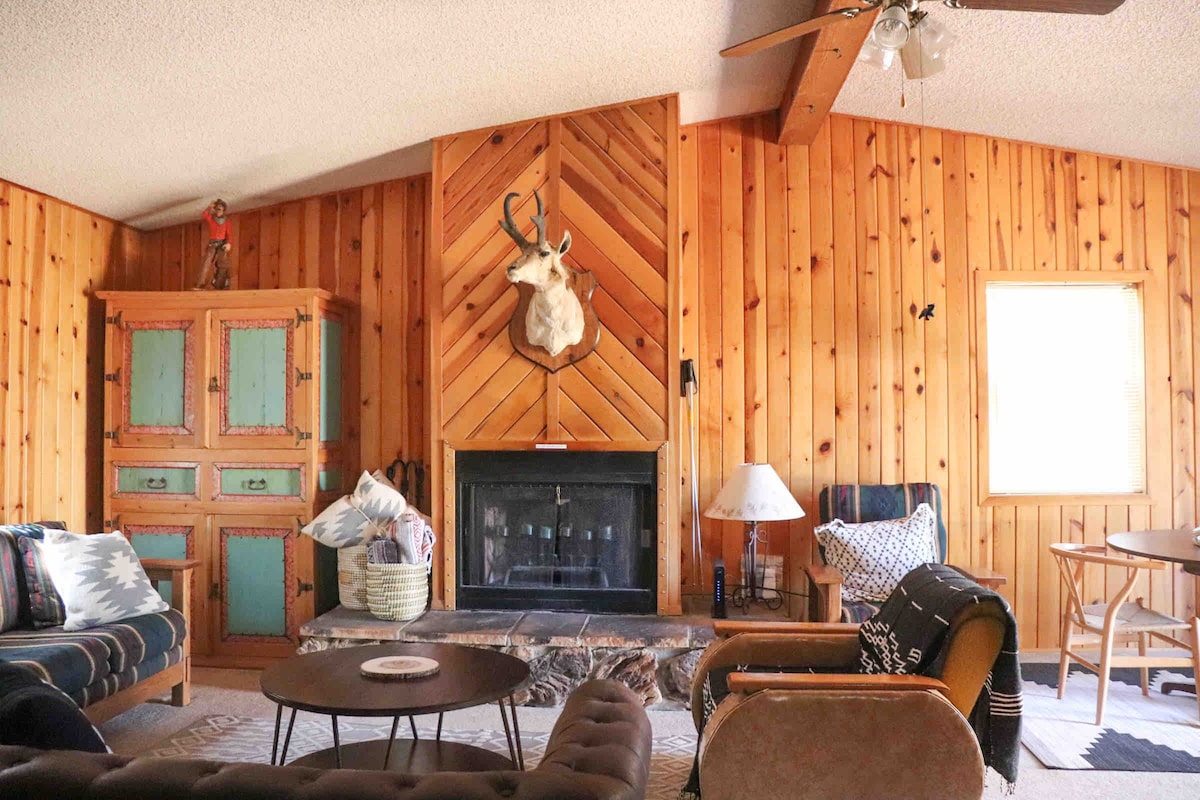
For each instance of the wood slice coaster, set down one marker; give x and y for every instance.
(398, 668)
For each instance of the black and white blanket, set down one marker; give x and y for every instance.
(905, 637)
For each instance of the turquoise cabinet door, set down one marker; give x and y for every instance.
(258, 585)
(259, 380)
(152, 384)
(331, 379)
(172, 539)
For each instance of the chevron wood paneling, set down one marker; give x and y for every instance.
(605, 175)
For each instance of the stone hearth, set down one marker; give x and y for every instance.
(654, 656)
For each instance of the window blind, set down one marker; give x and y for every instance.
(1066, 388)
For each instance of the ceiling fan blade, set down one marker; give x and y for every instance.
(1047, 6)
(790, 32)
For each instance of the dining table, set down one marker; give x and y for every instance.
(1179, 546)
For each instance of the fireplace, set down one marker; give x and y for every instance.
(556, 530)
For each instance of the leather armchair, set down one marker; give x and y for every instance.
(841, 734)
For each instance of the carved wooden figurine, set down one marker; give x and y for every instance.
(554, 323)
(216, 252)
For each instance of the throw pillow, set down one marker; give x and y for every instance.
(14, 598)
(874, 556)
(358, 517)
(45, 606)
(99, 577)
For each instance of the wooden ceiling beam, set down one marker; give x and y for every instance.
(821, 67)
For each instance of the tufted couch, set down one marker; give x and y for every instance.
(109, 668)
(600, 748)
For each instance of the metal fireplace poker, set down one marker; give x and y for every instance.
(754, 494)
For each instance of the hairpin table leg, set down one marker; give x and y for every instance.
(512, 751)
(275, 740)
(512, 701)
(337, 744)
(413, 724)
(287, 739)
(439, 731)
(387, 757)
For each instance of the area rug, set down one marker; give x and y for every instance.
(231, 738)
(1159, 733)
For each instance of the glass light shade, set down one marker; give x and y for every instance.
(754, 493)
(925, 53)
(891, 29)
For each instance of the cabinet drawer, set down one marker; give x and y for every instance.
(242, 482)
(172, 481)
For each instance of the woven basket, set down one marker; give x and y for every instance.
(397, 591)
(352, 577)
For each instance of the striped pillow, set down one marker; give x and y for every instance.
(45, 606)
(14, 599)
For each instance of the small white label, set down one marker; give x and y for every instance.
(549, 446)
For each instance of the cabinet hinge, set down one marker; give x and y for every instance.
(214, 592)
(113, 377)
(303, 436)
(112, 524)
(213, 386)
(302, 318)
(302, 587)
(114, 320)
(110, 435)
(302, 376)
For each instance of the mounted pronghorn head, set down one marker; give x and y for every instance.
(540, 263)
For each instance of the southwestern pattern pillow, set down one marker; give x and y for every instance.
(99, 578)
(358, 517)
(874, 556)
(45, 606)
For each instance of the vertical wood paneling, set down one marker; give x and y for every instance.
(52, 256)
(881, 220)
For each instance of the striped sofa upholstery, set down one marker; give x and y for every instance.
(88, 665)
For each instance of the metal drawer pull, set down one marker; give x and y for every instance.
(156, 483)
(256, 484)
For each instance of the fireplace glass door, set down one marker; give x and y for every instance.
(557, 541)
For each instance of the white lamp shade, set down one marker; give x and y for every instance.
(754, 494)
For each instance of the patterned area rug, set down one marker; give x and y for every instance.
(1159, 733)
(249, 739)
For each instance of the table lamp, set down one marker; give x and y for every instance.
(754, 494)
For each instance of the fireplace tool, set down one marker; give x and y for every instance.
(689, 385)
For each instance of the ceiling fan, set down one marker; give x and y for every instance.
(893, 32)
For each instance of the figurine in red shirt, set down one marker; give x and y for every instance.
(217, 252)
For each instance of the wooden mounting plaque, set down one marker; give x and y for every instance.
(398, 668)
(583, 284)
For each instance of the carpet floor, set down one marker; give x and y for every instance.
(230, 701)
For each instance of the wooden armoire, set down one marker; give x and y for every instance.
(226, 429)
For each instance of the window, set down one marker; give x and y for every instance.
(1065, 388)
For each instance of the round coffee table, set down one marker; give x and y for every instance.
(330, 682)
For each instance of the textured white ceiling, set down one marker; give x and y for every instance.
(144, 109)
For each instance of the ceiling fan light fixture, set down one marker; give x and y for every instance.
(891, 30)
(925, 53)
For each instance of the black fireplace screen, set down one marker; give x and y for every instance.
(556, 530)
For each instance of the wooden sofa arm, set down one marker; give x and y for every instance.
(724, 628)
(987, 578)
(748, 682)
(179, 572)
(825, 593)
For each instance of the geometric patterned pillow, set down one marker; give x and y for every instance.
(874, 556)
(99, 577)
(359, 516)
(45, 606)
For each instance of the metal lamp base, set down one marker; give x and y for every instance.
(748, 593)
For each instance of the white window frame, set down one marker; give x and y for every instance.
(1138, 279)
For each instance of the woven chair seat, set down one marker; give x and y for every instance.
(1132, 618)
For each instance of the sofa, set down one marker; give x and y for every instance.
(599, 748)
(109, 668)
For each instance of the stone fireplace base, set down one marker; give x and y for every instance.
(654, 656)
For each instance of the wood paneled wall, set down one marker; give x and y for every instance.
(367, 245)
(52, 256)
(607, 176)
(803, 272)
